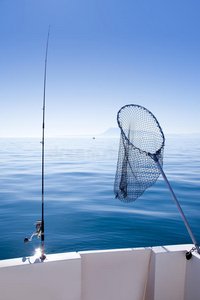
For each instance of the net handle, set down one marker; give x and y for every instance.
(177, 203)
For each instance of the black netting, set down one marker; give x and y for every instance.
(141, 141)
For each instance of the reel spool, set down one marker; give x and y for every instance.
(38, 232)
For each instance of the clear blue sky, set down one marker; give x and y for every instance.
(103, 54)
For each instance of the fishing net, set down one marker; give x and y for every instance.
(141, 144)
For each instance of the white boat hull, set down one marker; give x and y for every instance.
(157, 273)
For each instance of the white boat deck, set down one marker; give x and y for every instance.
(157, 273)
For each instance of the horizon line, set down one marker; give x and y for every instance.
(91, 135)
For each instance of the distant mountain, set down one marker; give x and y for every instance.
(111, 132)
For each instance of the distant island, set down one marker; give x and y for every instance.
(111, 132)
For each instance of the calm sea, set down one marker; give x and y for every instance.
(81, 212)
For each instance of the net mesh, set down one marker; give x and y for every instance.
(141, 139)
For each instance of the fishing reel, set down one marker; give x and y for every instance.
(38, 232)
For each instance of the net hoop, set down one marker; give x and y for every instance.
(156, 121)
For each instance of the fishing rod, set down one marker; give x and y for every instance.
(43, 127)
(40, 224)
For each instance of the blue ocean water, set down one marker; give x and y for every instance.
(81, 212)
